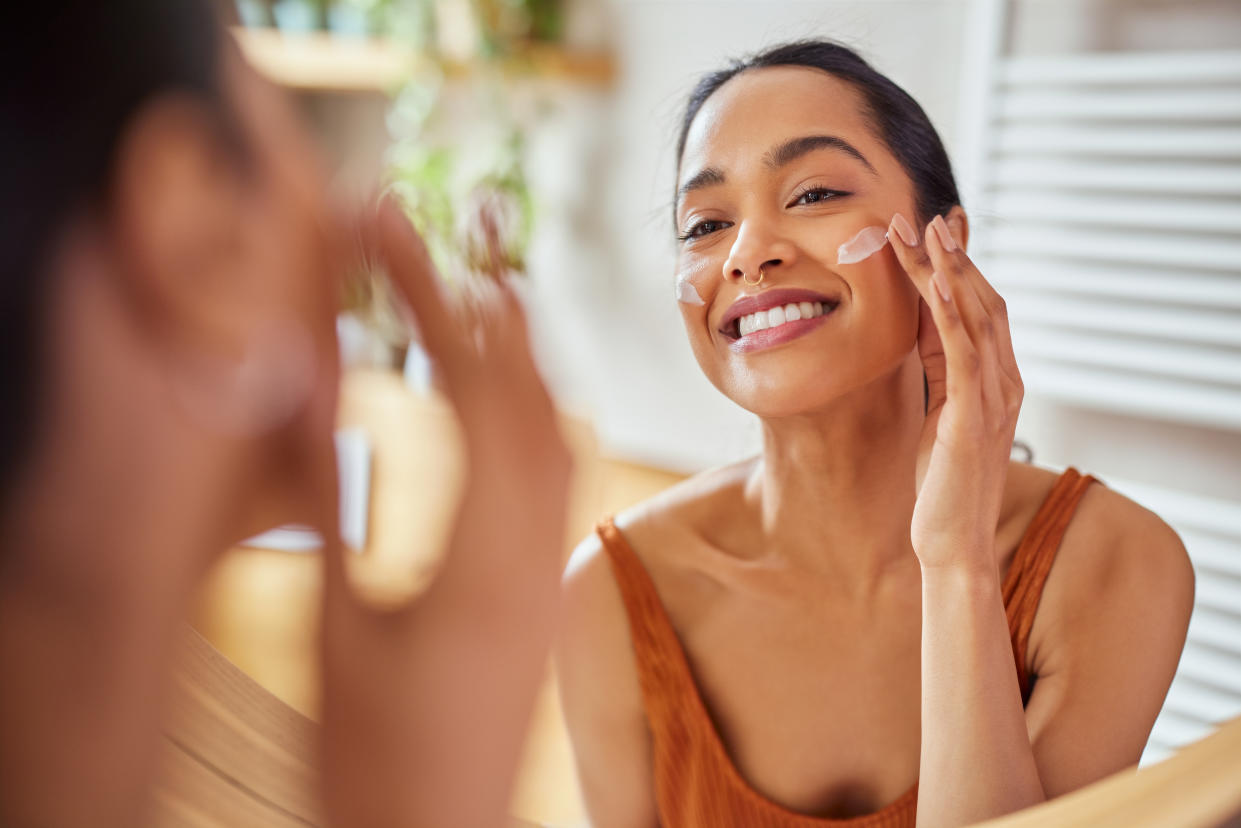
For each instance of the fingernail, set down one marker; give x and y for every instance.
(941, 286)
(945, 235)
(905, 230)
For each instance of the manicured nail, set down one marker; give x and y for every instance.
(905, 230)
(941, 286)
(945, 235)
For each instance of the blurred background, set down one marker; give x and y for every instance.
(1098, 144)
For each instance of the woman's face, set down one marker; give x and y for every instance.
(780, 168)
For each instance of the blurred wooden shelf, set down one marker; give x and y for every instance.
(322, 62)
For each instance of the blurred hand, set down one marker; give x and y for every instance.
(426, 705)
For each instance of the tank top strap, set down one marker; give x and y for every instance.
(663, 670)
(1027, 575)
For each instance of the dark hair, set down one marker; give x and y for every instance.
(896, 117)
(75, 74)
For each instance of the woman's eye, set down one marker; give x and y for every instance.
(816, 195)
(703, 228)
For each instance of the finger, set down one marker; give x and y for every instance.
(491, 237)
(955, 345)
(931, 352)
(962, 362)
(949, 263)
(993, 303)
(392, 239)
(988, 321)
(912, 255)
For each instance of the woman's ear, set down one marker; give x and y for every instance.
(174, 223)
(959, 223)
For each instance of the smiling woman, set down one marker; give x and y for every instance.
(881, 618)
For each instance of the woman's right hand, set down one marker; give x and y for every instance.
(426, 706)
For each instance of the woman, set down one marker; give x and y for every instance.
(171, 272)
(844, 627)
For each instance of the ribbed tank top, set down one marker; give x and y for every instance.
(696, 783)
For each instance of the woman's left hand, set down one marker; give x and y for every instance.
(975, 394)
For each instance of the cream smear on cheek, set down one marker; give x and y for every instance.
(686, 292)
(867, 242)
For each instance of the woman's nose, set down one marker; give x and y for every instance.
(756, 249)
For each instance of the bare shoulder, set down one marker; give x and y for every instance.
(593, 641)
(596, 623)
(1113, 614)
(601, 694)
(1121, 571)
(675, 518)
(1115, 543)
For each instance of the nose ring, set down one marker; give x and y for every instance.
(757, 281)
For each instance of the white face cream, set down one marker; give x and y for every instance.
(687, 293)
(867, 242)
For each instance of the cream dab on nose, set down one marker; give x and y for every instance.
(867, 242)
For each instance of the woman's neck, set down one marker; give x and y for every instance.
(836, 489)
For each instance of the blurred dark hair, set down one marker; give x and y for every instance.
(896, 117)
(74, 75)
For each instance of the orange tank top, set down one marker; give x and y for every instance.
(696, 783)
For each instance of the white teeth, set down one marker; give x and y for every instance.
(762, 320)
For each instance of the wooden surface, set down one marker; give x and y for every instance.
(1199, 786)
(234, 754)
(322, 62)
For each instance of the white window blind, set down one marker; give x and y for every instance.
(1105, 194)
(1110, 202)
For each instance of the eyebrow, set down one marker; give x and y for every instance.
(795, 148)
(778, 156)
(706, 177)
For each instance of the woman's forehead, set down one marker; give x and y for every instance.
(760, 108)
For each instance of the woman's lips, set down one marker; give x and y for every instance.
(766, 301)
(773, 317)
(788, 331)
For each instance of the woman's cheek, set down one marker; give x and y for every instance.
(692, 280)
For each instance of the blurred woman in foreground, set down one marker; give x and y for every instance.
(171, 274)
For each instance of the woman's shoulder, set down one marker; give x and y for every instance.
(671, 519)
(1116, 560)
(1105, 523)
(660, 534)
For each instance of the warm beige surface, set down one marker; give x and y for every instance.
(1199, 786)
(259, 607)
